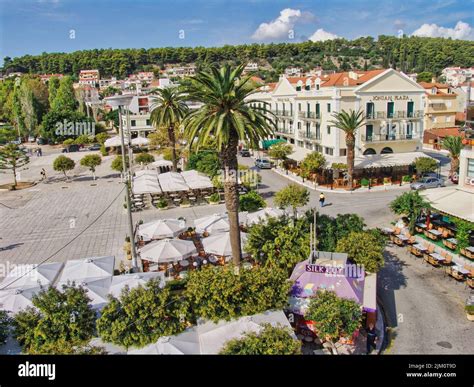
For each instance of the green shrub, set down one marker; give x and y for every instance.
(144, 158)
(364, 182)
(251, 201)
(103, 150)
(469, 308)
(406, 179)
(68, 141)
(162, 203)
(215, 198)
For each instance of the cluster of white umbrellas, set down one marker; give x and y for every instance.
(116, 141)
(168, 251)
(161, 228)
(148, 181)
(95, 275)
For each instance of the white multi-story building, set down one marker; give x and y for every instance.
(304, 106)
(89, 77)
(293, 72)
(251, 66)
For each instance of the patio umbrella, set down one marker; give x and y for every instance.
(97, 290)
(168, 250)
(146, 184)
(96, 267)
(140, 141)
(114, 142)
(212, 223)
(186, 343)
(119, 282)
(219, 244)
(25, 276)
(16, 300)
(161, 163)
(147, 172)
(172, 182)
(263, 215)
(161, 228)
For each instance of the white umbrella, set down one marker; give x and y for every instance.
(162, 163)
(161, 228)
(97, 290)
(148, 173)
(219, 244)
(146, 184)
(168, 250)
(16, 300)
(115, 141)
(25, 276)
(172, 182)
(263, 215)
(119, 282)
(96, 267)
(212, 224)
(186, 343)
(140, 141)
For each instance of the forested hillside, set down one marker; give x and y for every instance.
(409, 54)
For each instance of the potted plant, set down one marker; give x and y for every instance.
(364, 182)
(214, 198)
(127, 247)
(162, 204)
(406, 179)
(470, 311)
(387, 181)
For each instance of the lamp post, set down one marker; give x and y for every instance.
(121, 101)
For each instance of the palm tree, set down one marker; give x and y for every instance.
(454, 145)
(227, 115)
(169, 110)
(349, 122)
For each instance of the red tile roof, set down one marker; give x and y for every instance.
(338, 79)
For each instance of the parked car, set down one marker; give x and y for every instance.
(263, 164)
(41, 141)
(94, 147)
(31, 139)
(427, 182)
(245, 153)
(71, 148)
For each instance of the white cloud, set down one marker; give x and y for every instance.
(460, 31)
(321, 35)
(281, 26)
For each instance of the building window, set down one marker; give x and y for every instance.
(329, 108)
(133, 123)
(470, 167)
(328, 151)
(343, 152)
(318, 148)
(148, 122)
(369, 132)
(329, 129)
(299, 107)
(300, 144)
(299, 125)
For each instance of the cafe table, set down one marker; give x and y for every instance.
(184, 263)
(461, 270)
(433, 234)
(450, 243)
(437, 257)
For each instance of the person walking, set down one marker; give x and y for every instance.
(43, 174)
(371, 338)
(322, 198)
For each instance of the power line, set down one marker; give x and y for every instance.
(68, 243)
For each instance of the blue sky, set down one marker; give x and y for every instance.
(35, 26)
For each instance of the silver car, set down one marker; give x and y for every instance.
(263, 164)
(427, 182)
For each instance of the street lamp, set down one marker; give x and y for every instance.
(121, 102)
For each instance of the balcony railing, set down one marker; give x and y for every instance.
(389, 137)
(309, 115)
(396, 115)
(285, 130)
(309, 136)
(282, 113)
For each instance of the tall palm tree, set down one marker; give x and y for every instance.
(349, 122)
(169, 110)
(454, 145)
(227, 115)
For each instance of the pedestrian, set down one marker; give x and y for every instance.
(322, 198)
(40, 152)
(43, 174)
(371, 338)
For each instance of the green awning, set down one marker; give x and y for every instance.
(268, 143)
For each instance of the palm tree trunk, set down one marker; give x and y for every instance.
(231, 195)
(172, 139)
(454, 165)
(14, 178)
(350, 143)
